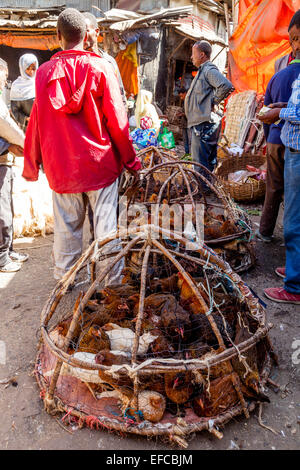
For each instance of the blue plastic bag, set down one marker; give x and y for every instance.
(144, 137)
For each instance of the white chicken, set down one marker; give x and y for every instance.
(86, 376)
(122, 339)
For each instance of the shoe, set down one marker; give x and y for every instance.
(10, 267)
(279, 294)
(18, 257)
(280, 272)
(262, 238)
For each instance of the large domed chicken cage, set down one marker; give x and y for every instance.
(170, 184)
(179, 344)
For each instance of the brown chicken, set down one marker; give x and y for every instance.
(221, 396)
(108, 358)
(247, 369)
(175, 320)
(150, 322)
(168, 284)
(114, 305)
(217, 230)
(188, 298)
(178, 387)
(218, 370)
(122, 382)
(202, 328)
(153, 303)
(93, 340)
(196, 349)
(150, 403)
(153, 198)
(160, 347)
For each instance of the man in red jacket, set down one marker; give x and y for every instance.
(79, 130)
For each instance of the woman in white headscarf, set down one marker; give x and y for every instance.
(145, 109)
(22, 91)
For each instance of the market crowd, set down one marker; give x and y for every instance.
(72, 116)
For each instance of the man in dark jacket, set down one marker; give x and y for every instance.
(208, 89)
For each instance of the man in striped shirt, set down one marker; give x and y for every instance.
(290, 136)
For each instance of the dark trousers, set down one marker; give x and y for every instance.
(186, 134)
(274, 188)
(204, 144)
(6, 213)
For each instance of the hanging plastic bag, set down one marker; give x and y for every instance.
(166, 139)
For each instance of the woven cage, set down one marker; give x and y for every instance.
(244, 192)
(166, 179)
(240, 111)
(181, 343)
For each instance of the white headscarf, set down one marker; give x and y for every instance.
(24, 87)
(145, 108)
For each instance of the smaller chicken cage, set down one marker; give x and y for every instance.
(171, 186)
(180, 344)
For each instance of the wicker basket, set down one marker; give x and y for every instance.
(245, 192)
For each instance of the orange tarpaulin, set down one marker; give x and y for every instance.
(259, 40)
(127, 63)
(47, 42)
(244, 5)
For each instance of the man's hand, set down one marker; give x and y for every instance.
(271, 116)
(277, 105)
(16, 150)
(135, 174)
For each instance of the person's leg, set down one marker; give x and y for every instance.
(91, 222)
(15, 256)
(204, 144)
(292, 220)
(185, 140)
(274, 189)
(189, 135)
(104, 203)
(200, 150)
(6, 215)
(69, 214)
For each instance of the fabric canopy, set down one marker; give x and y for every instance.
(45, 42)
(259, 40)
(127, 63)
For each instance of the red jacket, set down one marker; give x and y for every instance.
(78, 126)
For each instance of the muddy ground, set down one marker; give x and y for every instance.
(25, 424)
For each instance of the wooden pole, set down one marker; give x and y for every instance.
(227, 21)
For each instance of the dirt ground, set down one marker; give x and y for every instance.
(25, 424)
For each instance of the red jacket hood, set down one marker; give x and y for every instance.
(67, 80)
(78, 126)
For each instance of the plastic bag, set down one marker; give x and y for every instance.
(144, 137)
(166, 139)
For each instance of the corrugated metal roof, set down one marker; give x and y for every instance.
(83, 5)
(164, 14)
(32, 3)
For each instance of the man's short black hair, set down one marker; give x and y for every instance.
(295, 21)
(182, 90)
(205, 47)
(92, 19)
(71, 24)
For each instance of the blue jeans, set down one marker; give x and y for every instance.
(292, 220)
(204, 144)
